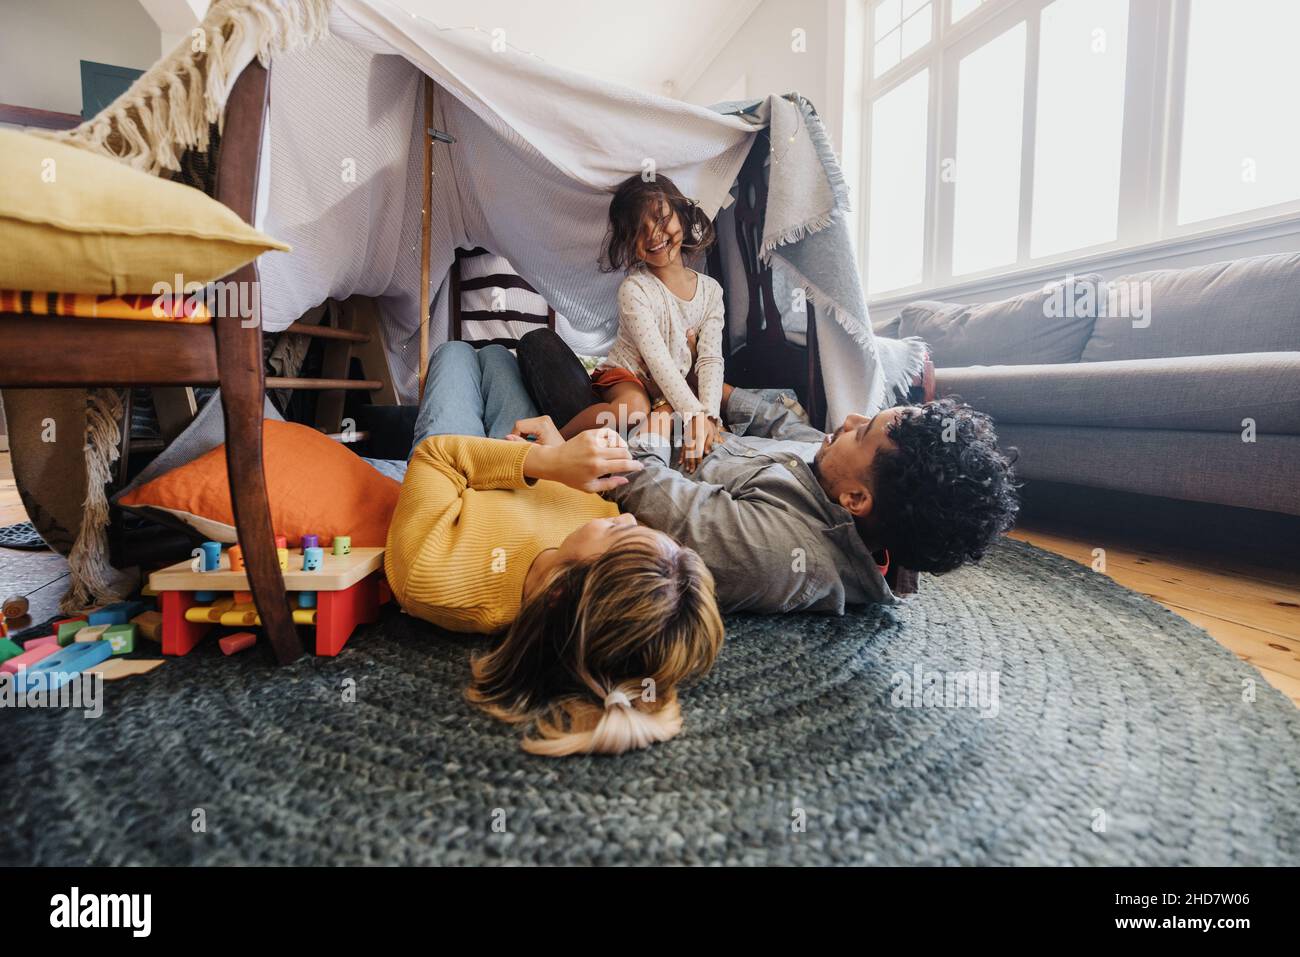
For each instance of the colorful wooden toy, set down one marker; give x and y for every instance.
(347, 590)
(237, 642)
(91, 633)
(54, 671)
(312, 558)
(118, 613)
(10, 649)
(310, 541)
(111, 669)
(68, 627)
(342, 544)
(282, 552)
(29, 657)
(236, 555)
(15, 606)
(306, 599)
(32, 643)
(149, 624)
(121, 638)
(211, 556)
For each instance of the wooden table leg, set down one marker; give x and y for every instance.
(239, 364)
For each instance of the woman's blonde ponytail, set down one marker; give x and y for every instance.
(584, 726)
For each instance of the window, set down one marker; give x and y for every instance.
(901, 27)
(1079, 125)
(896, 245)
(1008, 136)
(1241, 143)
(986, 173)
(962, 7)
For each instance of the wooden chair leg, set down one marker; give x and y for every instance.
(239, 367)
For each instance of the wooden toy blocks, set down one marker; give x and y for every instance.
(149, 625)
(121, 638)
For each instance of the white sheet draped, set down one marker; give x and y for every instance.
(537, 150)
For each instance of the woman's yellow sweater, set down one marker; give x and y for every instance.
(467, 527)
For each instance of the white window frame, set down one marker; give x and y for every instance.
(1147, 227)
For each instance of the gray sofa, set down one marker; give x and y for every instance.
(1182, 383)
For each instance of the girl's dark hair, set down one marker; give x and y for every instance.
(634, 200)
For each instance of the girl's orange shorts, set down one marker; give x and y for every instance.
(604, 378)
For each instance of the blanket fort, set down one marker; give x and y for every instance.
(524, 159)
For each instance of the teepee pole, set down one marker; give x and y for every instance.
(425, 213)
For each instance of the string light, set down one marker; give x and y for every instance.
(798, 102)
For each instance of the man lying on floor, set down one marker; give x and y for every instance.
(789, 518)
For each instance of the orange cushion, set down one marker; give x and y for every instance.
(316, 486)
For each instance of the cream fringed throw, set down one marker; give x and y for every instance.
(171, 106)
(165, 112)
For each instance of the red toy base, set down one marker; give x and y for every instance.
(337, 615)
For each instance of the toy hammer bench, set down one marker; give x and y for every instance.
(339, 593)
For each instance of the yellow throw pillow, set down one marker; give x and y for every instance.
(76, 221)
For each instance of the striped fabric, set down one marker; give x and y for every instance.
(164, 308)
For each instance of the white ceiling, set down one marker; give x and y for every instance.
(643, 45)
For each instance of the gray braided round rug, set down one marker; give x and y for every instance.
(1119, 734)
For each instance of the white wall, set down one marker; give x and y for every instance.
(43, 41)
(759, 60)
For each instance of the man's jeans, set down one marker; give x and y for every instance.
(472, 392)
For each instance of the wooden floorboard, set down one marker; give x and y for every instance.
(1252, 609)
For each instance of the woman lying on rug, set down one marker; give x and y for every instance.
(602, 618)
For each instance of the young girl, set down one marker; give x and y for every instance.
(601, 620)
(670, 318)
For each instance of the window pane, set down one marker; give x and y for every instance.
(896, 238)
(1241, 141)
(916, 32)
(887, 17)
(886, 54)
(1080, 78)
(962, 7)
(911, 6)
(990, 114)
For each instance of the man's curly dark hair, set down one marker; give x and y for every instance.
(946, 492)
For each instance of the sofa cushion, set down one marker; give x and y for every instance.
(1047, 325)
(1196, 466)
(1243, 305)
(1204, 393)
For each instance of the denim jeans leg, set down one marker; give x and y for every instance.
(554, 376)
(505, 399)
(453, 395)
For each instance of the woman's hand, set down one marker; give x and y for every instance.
(588, 462)
(541, 427)
(701, 435)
